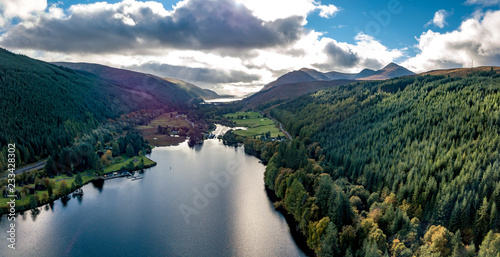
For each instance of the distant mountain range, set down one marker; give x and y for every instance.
(306, 80)
(163, 90)
(388, 72)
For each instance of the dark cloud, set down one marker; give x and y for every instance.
(340, 57)
(195, 75)
(198, 25)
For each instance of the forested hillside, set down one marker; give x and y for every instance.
(404, 167)
(44, 107)
(151, 87)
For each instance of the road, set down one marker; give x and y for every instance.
(281, 126)
(284, 132)
(33, 166)
(192, 123)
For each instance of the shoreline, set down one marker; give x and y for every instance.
(53, 198)
(299, 238)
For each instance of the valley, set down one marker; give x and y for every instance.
(368, 164)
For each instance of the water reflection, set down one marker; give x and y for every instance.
(98, 184)
(142, 217)
(34, 213)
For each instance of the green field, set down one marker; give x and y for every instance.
(125, 160)
(257, 124)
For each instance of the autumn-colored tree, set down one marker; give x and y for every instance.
(63, 188)
(437, 241)
(316, 230)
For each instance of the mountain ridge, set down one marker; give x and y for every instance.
(392, 70)
(163, 89)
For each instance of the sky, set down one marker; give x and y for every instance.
(237, 46)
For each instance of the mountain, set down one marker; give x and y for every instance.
(194, 90)
(164, 90)
(306, 80)
(292, 77)
(290, 91)
(392, 70)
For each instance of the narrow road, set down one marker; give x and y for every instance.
(33, 166)
(192, 123)
(281, 126)
(284, 132)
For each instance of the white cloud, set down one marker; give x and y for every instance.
(279, 9)
(135, 26)
(477, 39)
(24, 9)
(439, 19)
(328, 11)
(483, 2)
(145, 37)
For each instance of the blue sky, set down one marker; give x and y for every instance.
(402, 27)
(236, 46)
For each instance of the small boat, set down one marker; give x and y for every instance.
(79, 191)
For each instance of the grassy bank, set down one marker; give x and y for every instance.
(255, 123)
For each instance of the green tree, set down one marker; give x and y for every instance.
(130, 151)
(33, 202)
(49, 190)
(130, 165)
(323, 193)
(490, 247)
(294, 198)
(483, 220)
(340, 210)
(116, 149)
(329, 246)
(79, 180)
(63, 188)
(49, 166)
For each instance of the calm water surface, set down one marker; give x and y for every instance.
(203, 201)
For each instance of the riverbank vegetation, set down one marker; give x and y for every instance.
(404, 167)
(114, 146)
(36, 188)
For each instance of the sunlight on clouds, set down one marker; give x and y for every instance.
(439, 19)
(214, 57)
(476, 40)
(328, 11)
(279, 9)
(24, 9)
